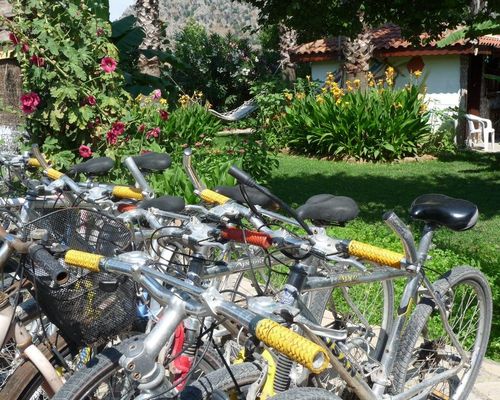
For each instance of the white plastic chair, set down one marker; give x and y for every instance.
(483, 130)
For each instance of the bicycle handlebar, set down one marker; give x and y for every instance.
(286, 341)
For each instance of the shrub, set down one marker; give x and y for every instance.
(377, 123)
(69, 69)
(222, 67)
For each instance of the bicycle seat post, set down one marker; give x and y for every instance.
(404, 234)
(425, 242)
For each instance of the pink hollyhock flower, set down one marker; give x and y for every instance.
(25, 48)
(163, 114)
(38, 61)
(90, 100)
(29, 102)
(13, 38)
(118, 128)
(153, 133)
(108, 64)
(111, 137)
(141, 128)
(85, 151)
(156, 94)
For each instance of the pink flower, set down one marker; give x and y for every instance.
(85, 151)
(90, 100)
(141, 128)
(118, 128)
(111, 137)
(100, 32)
(153, 133)
(38, 61)
(163, 114)
(29, 102)
(156, 94)
(108, 64)
(198, 144)
(13, 38)
(25, 48)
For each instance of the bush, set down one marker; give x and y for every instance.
(69, 69)
(150, 125)
(377, 123)
(223, 68)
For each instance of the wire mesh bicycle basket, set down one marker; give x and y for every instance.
(89, 307)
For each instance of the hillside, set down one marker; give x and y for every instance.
(219, 16)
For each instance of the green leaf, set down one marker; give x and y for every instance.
(389, 147)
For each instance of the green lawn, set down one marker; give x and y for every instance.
(381, 187)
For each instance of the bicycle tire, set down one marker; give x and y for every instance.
(26, 380)
(416, 354)
(245, 374)
(102, 367)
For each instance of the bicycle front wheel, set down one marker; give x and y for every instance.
(426, 349)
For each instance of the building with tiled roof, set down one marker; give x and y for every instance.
(454, 75)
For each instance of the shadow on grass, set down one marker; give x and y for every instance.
(377, 193)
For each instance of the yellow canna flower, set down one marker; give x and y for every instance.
(300, 95)
(357, 83)
(417, 73)
(288, 96)
(163, 101)
(320, 99)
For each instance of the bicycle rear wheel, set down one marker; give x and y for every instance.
(426, 348)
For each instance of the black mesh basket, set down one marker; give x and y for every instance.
(89, 307)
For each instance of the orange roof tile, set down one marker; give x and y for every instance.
(388, 41)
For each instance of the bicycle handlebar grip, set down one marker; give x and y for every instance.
(290, 343)
(256, 238)
(241, 176)
(54, 174)
(49, 264)
(126, 192)
(33, 162)
(84, 260)
(375, 254)
(213, 197)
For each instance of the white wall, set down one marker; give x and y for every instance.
(441, 75)
(319, 70)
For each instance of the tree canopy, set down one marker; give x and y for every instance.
(315, 18)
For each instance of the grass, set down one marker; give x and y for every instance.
(381, 187)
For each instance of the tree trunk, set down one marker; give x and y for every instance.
(288, 40)
(148, 18)
(357, 54)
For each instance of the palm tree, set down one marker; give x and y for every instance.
(288, 40)
(358, 52)
(148, 18)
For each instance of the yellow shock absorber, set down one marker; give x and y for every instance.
(54, 174)
(375, 254)
(213, 197)
(33, 162)
(291, 344)
(83, 260)
(126, 192)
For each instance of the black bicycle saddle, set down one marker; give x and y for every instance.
(164, 203)
(256, 197)
(93, 167)
(153, 161)
(327, 208)
(455, 214)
